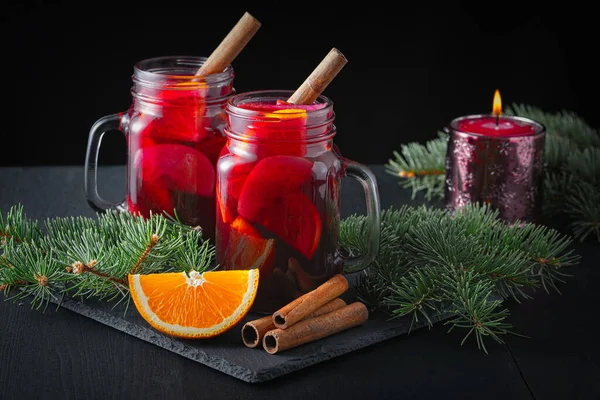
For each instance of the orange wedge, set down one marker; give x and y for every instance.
(198, 305)
(248, 250)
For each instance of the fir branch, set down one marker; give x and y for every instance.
(583, 206)
(150, 244)
(557, 149)
(92, 257)
(462, 264)
(556, 187)
(585, 165)
(147, 244)
(582, 195)
(430, 262)
(416, 294)
(421, 166)
(36, 273)
(564, 123)
(16, 225)
(449, 244)
(473, 307)
(548, 253)
(194, 254)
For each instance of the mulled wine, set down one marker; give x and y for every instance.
(174, 131)
(278, 195)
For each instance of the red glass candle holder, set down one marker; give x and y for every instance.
(497, 161)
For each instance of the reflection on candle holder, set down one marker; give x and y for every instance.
(497, 161)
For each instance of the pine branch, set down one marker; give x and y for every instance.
(565, 124)
(473, 307)
(556, 187)
(421, 166)
(194, 254)
(37, 274)
(582, 194)
(583, 205)
(466, 245)
(585, 165)
(557, 150)
(462, 264)
(417, 294)
(91, 257)
(17, 226)
(430, 262)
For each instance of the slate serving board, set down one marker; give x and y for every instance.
(227, 353)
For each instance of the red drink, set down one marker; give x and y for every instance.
(174, 130)
(278, 195)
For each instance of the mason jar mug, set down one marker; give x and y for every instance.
(175, 132)
(278, 196)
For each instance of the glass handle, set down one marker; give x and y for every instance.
(100, 127)
(369, 184)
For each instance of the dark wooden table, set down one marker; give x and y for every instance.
(60, 354)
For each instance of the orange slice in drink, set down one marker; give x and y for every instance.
(231, 176)
(198, 305)
(248, 250)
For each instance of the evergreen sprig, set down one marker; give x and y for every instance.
(92, 257)
(463, 265)
(571, 165)
(430, 263)
(421, 167)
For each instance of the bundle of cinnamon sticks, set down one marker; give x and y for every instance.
(313, 316)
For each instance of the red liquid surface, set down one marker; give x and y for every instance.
(278, 209)
(487, 126)
(174, 149)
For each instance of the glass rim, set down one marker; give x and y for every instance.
(315, 119)
(540, 129)
(154, 71)
(234, 109)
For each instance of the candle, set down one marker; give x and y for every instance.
(496, 160)
(486, 125)
(496, 124)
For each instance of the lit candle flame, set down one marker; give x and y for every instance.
(497, 107)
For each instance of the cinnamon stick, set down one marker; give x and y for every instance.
(303, 281)
(254, 331)
(231, 45)
(309, 330)
(298, 309)
(318, 80)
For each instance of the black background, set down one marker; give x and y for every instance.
(410, 71)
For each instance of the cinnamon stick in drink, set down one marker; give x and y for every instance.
(304, 282)
(230, 46)
(318, 80)
(298, 309)
(254, 331)
(311, 329)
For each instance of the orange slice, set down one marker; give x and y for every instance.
(201, 305)
(248, 250)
